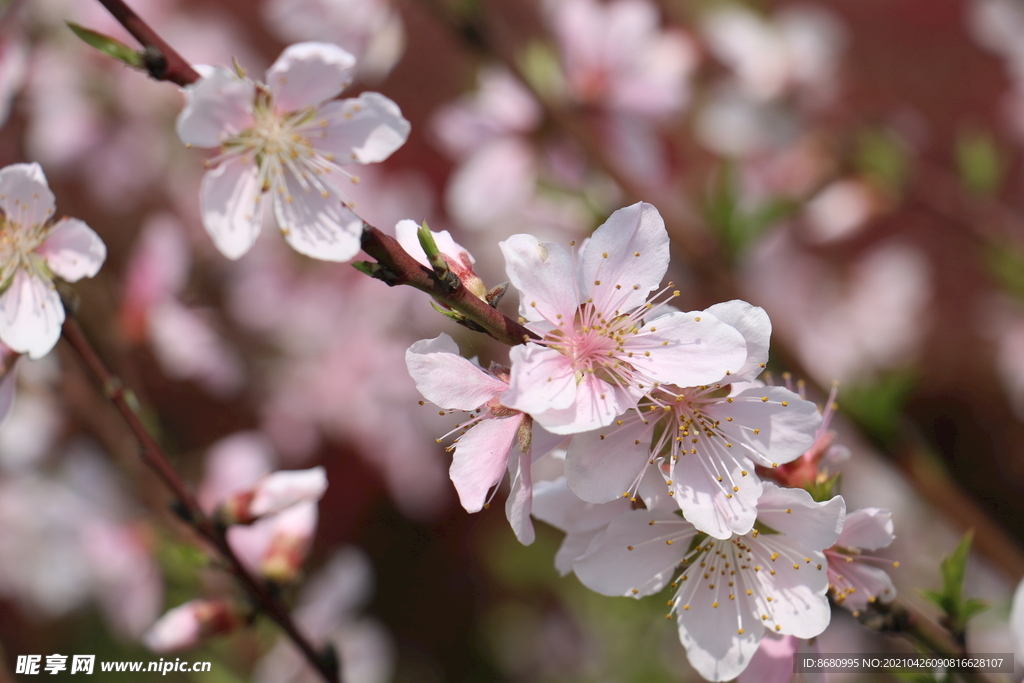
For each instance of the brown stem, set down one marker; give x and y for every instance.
(154, 456)
(402, 269)
(162, 61)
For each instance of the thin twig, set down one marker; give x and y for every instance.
(188, 507)
(162, 61)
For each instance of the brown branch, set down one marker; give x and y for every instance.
(399, 268)
(154, 456)
(162, 61)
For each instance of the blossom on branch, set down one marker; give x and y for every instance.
(289, 137)
(728, 593)
(602, 344)
(33, 250)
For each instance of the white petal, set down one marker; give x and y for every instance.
(799, 605)
(817, 525)
(573, 547)
(481, 455)
(231, 198)
(611, 567)
(31, 315)
(713, 506)
(628, 256)
(216, 107)
(365, 130)
(72, 250)
(783, 432)
(755, 326)
(307, 74)
(25, 198)
(448, 380)
(868, 529)
(543, 274)
(871, 582)
(556, 505)
(1017, 618)
(712, 636)
(405, 233)
(316, 222)
(603, 464)
(596, 404)
(687, 349)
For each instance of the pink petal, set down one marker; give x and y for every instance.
(307, 74)
(31, 315)
(871, 583)
(232, 205)
(520, 498)
(481, 456)
(216, 107)
(602, 464)
(628, 256)
(72, 250)
(868, 529)
(543, 274)
(498, 179)
(363, 130)
(316, 222)
(448, 380)
(234, 464)
(25, 198)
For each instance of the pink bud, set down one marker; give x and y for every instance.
(274, 493)
(293, 535)
(186, 625)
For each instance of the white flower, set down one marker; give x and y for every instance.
(728, 593)
(853, 580)
(34, 249)
(288, 138)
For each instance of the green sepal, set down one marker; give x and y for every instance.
(108, 46)
(449, 313)
(824, 489)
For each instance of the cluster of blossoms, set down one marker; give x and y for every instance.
(664, 428)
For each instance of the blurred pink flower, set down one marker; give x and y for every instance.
(616, 55)
(288, 138)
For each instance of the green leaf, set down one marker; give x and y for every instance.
(108, 46)
(950, 599)
(882, 156)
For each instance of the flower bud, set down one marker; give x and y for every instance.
(187, 625)
(273, 493)
(293, 535)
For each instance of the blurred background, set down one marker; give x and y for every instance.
(852, 167)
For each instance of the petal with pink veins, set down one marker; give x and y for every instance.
(625, 259)
(72, 250)
(543, 274)
(307, 74)
(448, 380)
(542, 379)
(481, 455)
